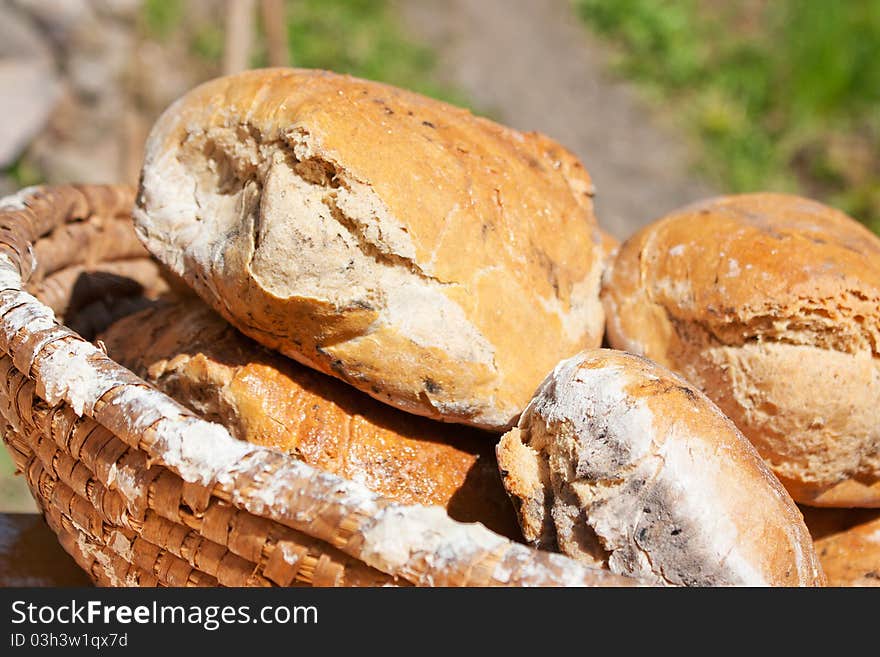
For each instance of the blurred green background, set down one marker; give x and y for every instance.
(781, 95)
(360, 37)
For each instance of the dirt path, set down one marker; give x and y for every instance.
(533, 66)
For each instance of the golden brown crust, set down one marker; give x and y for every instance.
(436, 251)
(770, 304)
(618, 461)
(190, 353)
(848, 493)
(848, 544)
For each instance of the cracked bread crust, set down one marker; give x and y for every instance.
(194, 356)
(771, 305)
(618, 461)
(403, 245)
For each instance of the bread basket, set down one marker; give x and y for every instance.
(139, 490)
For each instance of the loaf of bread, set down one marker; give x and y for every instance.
(435, 260)
(771, 305)
(191, 354)
(848, 544)
(620, 462)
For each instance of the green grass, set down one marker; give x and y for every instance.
(161, 17)
(15, 496)
(360, 37)
(781, 95)
(363, 38)
(23, 174)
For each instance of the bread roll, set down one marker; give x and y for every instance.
(620, 462)
(771, 305)
(848, 544)
(194, 356)
(435, 260)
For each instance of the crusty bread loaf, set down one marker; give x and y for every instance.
(191, 354)
(435, 260)
(848, 544)
(619, 461)
(770, 304)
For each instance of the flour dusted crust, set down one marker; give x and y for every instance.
(848, 544)
(610, 245)
(617, 461)
(193, 355)
(771, 305)
(435, 260)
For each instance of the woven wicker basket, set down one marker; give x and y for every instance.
(139, 490)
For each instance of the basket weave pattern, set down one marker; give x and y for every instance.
(141, 491)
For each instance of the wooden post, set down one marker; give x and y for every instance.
(275, 29)
(239, 35)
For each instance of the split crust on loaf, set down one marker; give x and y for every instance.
(771, 305)
(435, 260)
(190, 353)
(619, 462)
